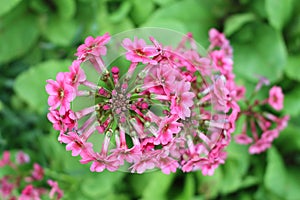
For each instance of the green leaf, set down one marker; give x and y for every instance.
(232, 177)
(17, 39)
(141, 10)
(264, 54)
(278, 12)
(235, 22)
(121, 13)
(186, 16)
(30, 85)
(290, 136)
(206, 182)
(275, 177)
(66, 8)
(292, 68)
(60, 32)
(292, 184)
(234, 153)
(99, 185)
(142, 179)
(158, 186)
(6, 6)
(291, 102)
(189, 188)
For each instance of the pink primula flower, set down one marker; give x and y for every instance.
(61, 93)
(138, 51)
(167, 164)
(161, 79)
(74, 143)
(276, 98)
(167, 127)
(243, 139)
(22, 158)
(38, 172)
(6, 188)
(222, 61)
(93, 46)
(259, 146)
(64, 122)
(30, 193)
(55, 189)
(76, 74)
(5, 159)
(183, 99)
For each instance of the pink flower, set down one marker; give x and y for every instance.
(6, 187)
(147, 161)
(276, 98)
(5, 159)
(243, 139)
(38, 172)
(182, 100)
(282, 122)
(138, 51)
(22, 157)
(193, 163)
(64, 122)
(74, 143)
(61, 93)
(259, 146)
(29, 193)
(161, 79)
(76, 74)
(270, 135)
(100, 161)
(208, 168)
(220, 95)
(93, 46)
(55, 189)
(222, 62)
(130, 155)
(216, 38)
(167, 164)
(167, 127)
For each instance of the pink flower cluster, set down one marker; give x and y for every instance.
(263, 126)
(10, 184)
(172, 109)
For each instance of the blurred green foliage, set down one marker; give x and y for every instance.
(39, 37)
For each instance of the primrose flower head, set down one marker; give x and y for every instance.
(153, 105)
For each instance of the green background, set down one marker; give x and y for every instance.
(38, 38)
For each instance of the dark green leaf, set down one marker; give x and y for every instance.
(275, 177)
(30, 85)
